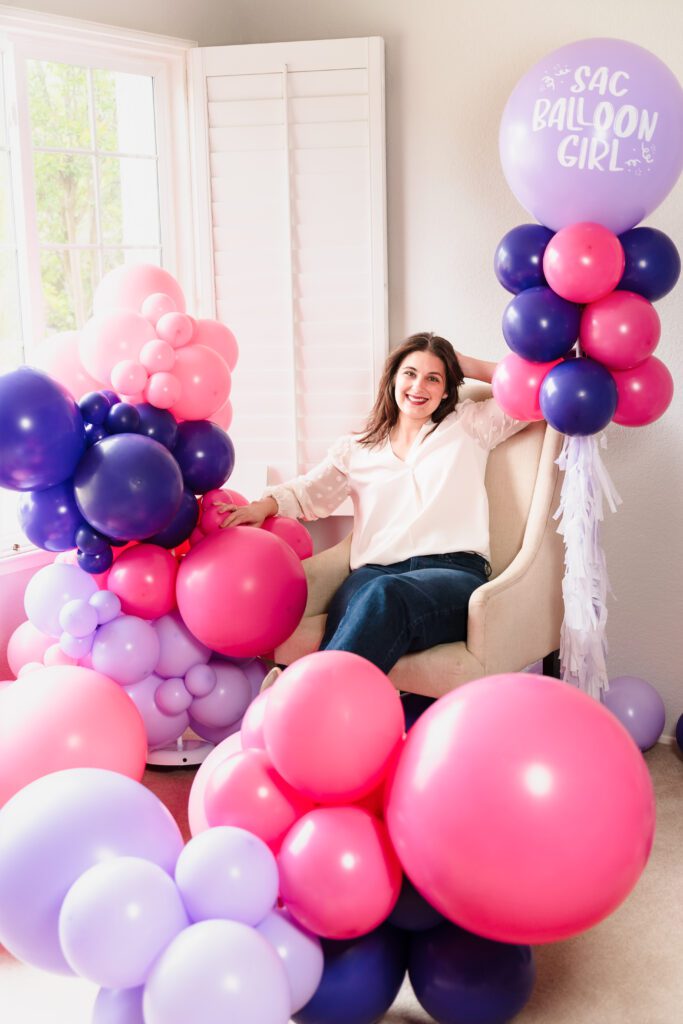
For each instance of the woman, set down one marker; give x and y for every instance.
(420, 543)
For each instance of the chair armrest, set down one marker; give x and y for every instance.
(325, 573)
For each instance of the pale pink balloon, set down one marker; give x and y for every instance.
(128, 287)
(223, 416)
(644, 393)
(583, 262)
(59, 357)
(157, 356)
(29, 668)
(204, 380)
(516, 386)
(26, 644)
(155, 305)
(143, 577)
(195, 809)
(56, 656)
(111, 337)
(620, 330)
(220, 338)
(128, 377)
(163, 390)
(175, 328)
(292, 532)
(252, 723)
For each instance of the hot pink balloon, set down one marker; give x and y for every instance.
(220, 338)
(110, 338)
(128, 287)
(223, 416)
(143, 577)
(155, 305)
(507, 825)
(59, 356)
(516, 386)
(339, 876)
(211, 518)
(195, 809)
(252, 723)
(292, 532)
(583, 262)
(620, 330)
(175, 329)
(204, 380)
(27, 643)
(644, 393)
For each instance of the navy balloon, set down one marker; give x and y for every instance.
(205, 454)
(97, 563)
(578, 397)
(460, 978)
(518, 261)
(128, 486)
(412, 912)
(94, 407)
(540, 325)
(182, 524)
(653, 265)
(361, 979)
(122, 418)
(50, 518)
(42, 435)
(94, 433)
(679, 733)
(158, 424)
(414, 705)
(90, 541)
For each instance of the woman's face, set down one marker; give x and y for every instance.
(420, 385)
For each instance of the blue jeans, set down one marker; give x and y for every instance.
(384, 611)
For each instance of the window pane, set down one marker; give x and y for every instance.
(69, 279)
(6, 213)
(3, 118)
(59, 107)
(129, 198)
(124, 113)
(65, 199)
(10, 315)
(127, 257)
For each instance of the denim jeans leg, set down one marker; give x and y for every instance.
(343, 597)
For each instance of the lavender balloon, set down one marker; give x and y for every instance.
(78, 618)
(638, 707)
(76, 646)
(161, 728)
(592, 133)
(50, 589)
(106, 604)
(301, 954)
(179, 649)
(200, 680)
(171, 696)
(126, 649)
(118, 1006)
(227, 701)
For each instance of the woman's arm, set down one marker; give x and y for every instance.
(476, 369)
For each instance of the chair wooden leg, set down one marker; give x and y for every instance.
(551, 665)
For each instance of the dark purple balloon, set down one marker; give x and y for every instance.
(412, 912)
(50, 518)
(578, 397)
(94, 407)
(540, 325)
(128, 487)
(205, 454)
(122, 418)
(414, 705)
(90, 541)
(42, 435)
(653, 264)
(679, 733)
(94, 433)
(158, 424)
(97, 563)
(518, 261)
(182, 524)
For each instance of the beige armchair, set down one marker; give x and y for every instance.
(515, 618)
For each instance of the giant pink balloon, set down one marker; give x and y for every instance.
(620, 330)
(516, 386)
(241, 591)
(644, 393)
(204, 380)
(59, 356)
(111, 338)
(128, 287)
(521, 809)
(217, 336)
(583, 262)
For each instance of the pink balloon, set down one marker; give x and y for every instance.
(583, 262)
(28, 668)
(332, 724)
(292, 532)
(218, 337)
(195, 537)
(160, 728)
(195, 809)
(26, 644)
(175, 328)
(128, 287)
(644, 393)
(155, 305)
(67, 717)
(157, 356)
(143, 577)
(620, 330)
(241, 591)
(59, 356)
(516, 386)
(56, 656)
(223, 416)
(211, 518)
(252, 723)
(246, 791)
(507, 825)
(339, 876)
(128, 377)
(110, 338)
(163, 390)
(204, 381)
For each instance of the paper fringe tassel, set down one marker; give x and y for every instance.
(583, 642)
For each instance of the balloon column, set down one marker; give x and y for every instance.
(590, 145)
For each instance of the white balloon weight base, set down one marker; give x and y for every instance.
(183, 753)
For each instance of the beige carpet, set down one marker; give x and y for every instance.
(628, 970)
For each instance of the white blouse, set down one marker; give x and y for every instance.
(432, 502)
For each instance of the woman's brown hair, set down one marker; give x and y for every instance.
(384, 413)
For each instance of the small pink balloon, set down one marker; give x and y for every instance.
(27, 644)
(223, 416)
(171, 696)
(252, 723)
(143, 578)
(644, 393)
(128, 377)
(128, 287)
(28, 668)
(218, 337)
(205, 382)
(56, 656)
(583, 262)
(200, 680)
(291, 532)
(163, 390)
(175, 328)
(59, 357)
(156, 305)
(211, 518)
(110, 338)
(157, 356)
(620, 330)
(516, 386)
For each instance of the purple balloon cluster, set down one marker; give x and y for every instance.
(94, 881)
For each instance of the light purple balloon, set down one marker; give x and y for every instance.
(118, 1006)
(255, 669)
(227, 873)
(161, 728)
(55, 829)
(638, 707)
(117, 918)
(171, 696)
(180, 650)
(200, 680)
(106, 604)
(78, 618)
(76, 646)
(228, 700)
(211, 733)
(126, 649)
(217, 971)
(593, 133)
(301, 953)
(50, 589)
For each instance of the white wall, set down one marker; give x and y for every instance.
(450, 66)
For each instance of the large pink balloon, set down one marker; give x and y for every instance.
(583, 262)
(644, 393)
(111, 338)
(128, 287)
(241, 591)
(516, 386)
(332, 723)
(223, 416)
(27, 644)
(67, 717)
(195, 809)
(59, 356)
(251, 730)
(292, 532)
(620, 330)
(218, 337)
(143, 577)
(507, 823)
(204, 380)
(339, 876)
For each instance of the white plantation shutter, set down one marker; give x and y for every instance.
(290, 177)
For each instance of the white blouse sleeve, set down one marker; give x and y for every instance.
(487, 423)
(319, 492)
